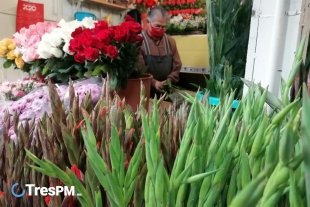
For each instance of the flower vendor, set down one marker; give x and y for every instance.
(159, 51)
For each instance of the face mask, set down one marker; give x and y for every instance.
(156, 32)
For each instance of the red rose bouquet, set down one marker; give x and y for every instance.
(143, 6)
(110, 50)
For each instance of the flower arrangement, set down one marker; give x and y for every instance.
(13, 91)
(7, 51)
(185, 23)
(80, 49)
(143, 6)
(27, 40)
(59, 62)
(186, 16)
(109, 50)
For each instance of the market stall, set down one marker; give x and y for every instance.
(72, 127)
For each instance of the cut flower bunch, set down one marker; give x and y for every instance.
(7, 51)
(13, 91)
(109, 50)
(76, 50)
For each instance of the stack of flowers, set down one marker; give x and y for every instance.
(80, 49)
(35, 104)
(143, 6)
(186, 16)
(12, 91)
(7, 51)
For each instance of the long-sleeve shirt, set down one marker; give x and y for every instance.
(158, 48)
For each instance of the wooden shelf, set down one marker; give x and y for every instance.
(107, 4)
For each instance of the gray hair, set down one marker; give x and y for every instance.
(157, 10)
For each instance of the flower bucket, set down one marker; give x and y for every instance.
(216, 101)
(132, 91)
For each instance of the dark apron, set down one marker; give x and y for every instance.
(159, 66)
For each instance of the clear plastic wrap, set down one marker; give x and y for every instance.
(82, 86)
(37, 102)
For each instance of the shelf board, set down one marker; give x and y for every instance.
(106, 4)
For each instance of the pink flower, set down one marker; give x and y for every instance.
(30, 55)
(27, 40)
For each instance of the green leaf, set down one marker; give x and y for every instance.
(113, 82)
(97, 70)
(88, 74)
(7, 64)
(45, 70)
(106, 68)
(89, 65)
(80, 74)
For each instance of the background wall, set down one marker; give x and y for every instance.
(54, 10)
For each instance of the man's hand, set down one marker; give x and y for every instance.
(159, 85)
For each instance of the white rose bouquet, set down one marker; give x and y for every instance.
(54, 48)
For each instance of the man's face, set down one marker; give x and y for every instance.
(158, 22)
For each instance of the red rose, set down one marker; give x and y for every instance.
(164, 3)
(132, 38)
(79, 57)
(112, 52)
(138, 1)
(104, 49)
(104, 36)
(100, 25)
(129, 18)
(132, 26)
(97, 44)
(77, 32)
(112, 30)
(150, 3)
(91, 54)
(75, 45)
(121, 35)
(139, 40)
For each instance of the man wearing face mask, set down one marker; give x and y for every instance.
(159, 51)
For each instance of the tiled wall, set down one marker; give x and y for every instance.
(54, 10)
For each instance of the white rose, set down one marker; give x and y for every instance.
(44, 50)
(62, 23)
(57, 52)
(66, 48)
(55, 39)
(88, 22)
(67, 35)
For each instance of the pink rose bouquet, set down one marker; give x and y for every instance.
(27, 40)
